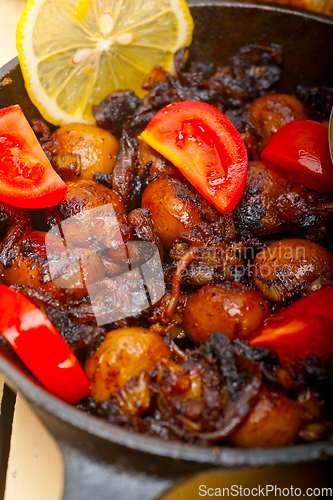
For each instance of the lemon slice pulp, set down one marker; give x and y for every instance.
(73, 53)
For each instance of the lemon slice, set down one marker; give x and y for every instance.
(73, 53)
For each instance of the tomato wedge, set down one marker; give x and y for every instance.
(303, 328)
(41, 347)
(27, 179)
(205, 146)
(301, 148)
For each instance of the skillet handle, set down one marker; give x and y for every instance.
(88, 478)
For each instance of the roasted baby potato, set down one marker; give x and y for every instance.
(123, 354)
(231, 308)
(92, 149)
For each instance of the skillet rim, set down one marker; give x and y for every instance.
(217, 455)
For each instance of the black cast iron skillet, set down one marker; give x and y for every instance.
(104, 462)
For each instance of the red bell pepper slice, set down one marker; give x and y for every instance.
(301, 148)
(27, 178)
(303, 328)
(205, 146)
(41, 347)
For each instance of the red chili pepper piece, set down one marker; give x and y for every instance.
(303, 328)
(41, 347)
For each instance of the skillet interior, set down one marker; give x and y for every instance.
(221, 28)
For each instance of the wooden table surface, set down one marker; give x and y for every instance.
(10, 11)
(35, 467)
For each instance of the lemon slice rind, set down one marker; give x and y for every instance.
(69, 69)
